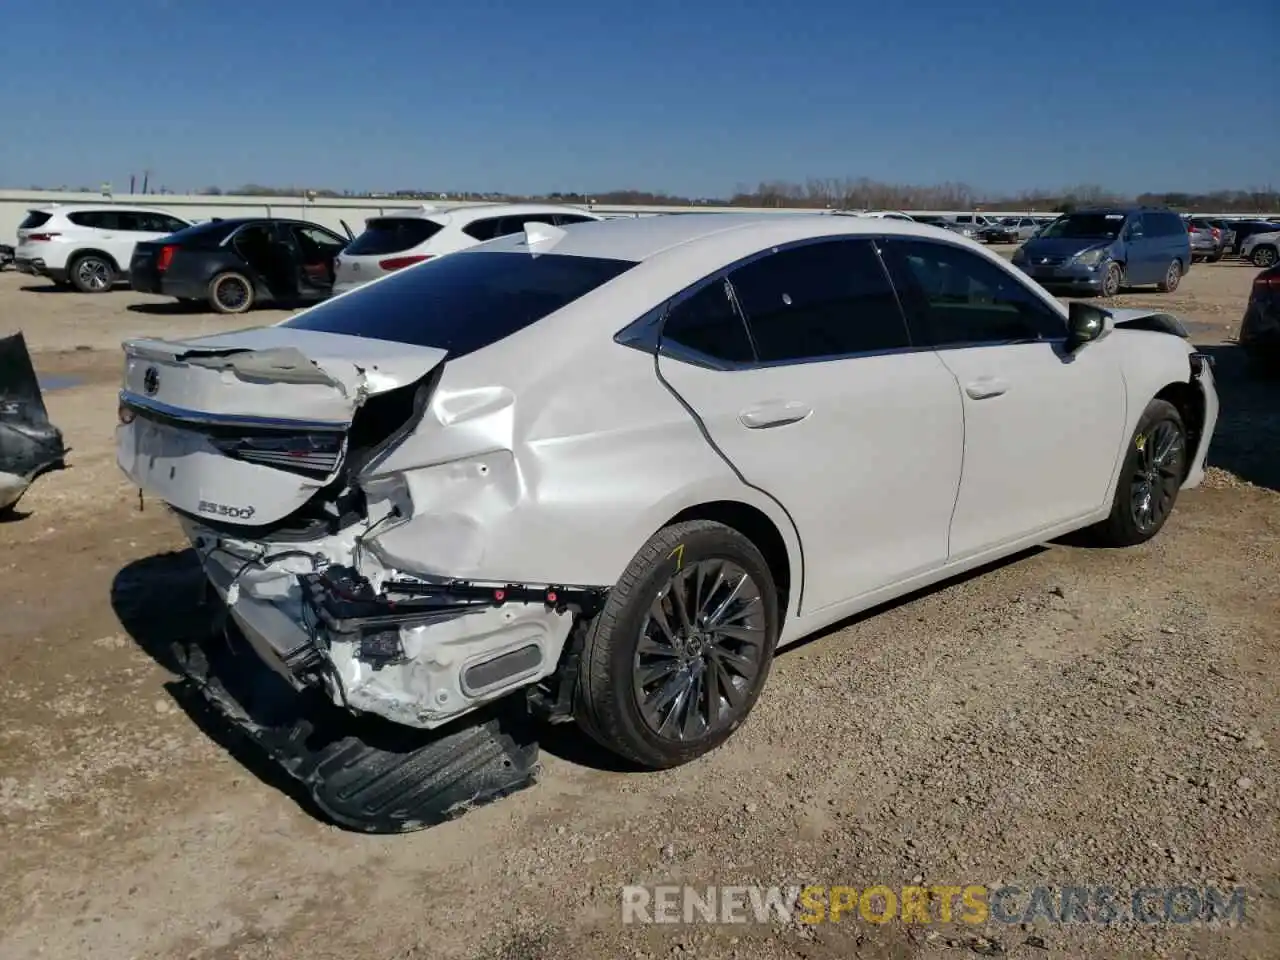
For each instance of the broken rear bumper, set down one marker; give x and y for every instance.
(363, 773)
(417, 653)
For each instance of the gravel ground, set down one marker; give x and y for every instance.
(1070, 717)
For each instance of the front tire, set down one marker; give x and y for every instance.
(1172, 277)
(92, 274)
(231, 292)
(1110, 281)
(1153, 470)
(678, 656)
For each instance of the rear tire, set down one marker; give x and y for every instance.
(678, 656)
(1263, 256)
(231, 292)
(1150, 477)
(91, 273)
(1172, 277)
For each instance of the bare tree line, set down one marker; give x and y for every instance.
(839, 193)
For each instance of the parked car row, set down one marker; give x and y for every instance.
(234, 264)
(1257, 241)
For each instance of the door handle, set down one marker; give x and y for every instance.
(774, 413)
(985, 387)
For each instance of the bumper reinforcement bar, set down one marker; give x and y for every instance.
(345, 601)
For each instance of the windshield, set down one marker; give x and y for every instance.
(1084, 226)
(1009, 222)
(464, 301)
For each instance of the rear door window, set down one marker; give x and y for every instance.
(392, 235)
(464, 301)
(510, 225)
(95, 219)
(482, 229)
(148, 221)
(708, 324)
(820, 300)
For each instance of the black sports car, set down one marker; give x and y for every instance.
(235, 264)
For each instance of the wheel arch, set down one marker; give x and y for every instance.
(1189, 401)
(92, 252)
(785, 564)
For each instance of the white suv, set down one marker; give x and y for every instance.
(399, 240)
(88, 245)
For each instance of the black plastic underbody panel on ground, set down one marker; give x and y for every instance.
(29, 444)
(365, 773)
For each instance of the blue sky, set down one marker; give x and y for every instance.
(694, 97)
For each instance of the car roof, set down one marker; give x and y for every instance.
(641, 238)
(92, 207)
(467, 213)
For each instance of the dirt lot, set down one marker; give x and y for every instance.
(1071, 717)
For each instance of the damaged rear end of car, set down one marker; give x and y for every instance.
(336, 497)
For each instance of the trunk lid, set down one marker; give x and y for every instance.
(245, 427)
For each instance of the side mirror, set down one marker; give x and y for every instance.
(1085, 323)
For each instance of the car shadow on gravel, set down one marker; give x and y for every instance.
(914, 595)
(160, 602)
(169, 308)
(58, 288)
(1246, 442)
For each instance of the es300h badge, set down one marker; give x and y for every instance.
(225, 510)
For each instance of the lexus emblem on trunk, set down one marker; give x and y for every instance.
(151, 381)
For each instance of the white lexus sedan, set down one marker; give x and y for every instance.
(613, 469)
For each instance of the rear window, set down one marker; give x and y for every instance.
(35, 218)
(392, 235)
(462, 302)
(205, 234)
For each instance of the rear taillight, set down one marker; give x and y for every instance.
(398, 263)
(1267, 282)
(165, 258)
(1217, 233)
(41, 237)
